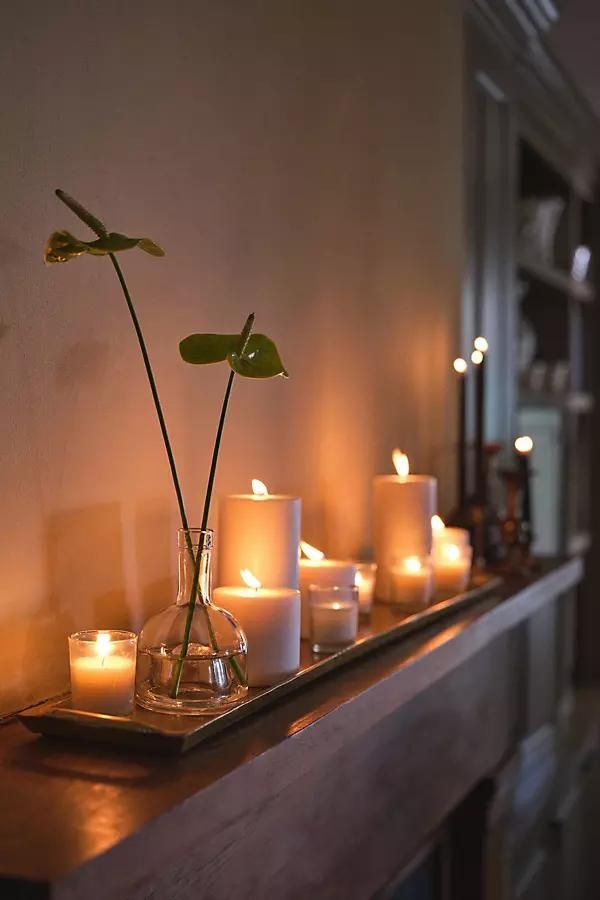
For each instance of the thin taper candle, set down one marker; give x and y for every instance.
(478, 359)
(460, 367)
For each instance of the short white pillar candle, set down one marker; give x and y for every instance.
(102, 667)
(270, 619)
(324, 572)
(333, 617)
(411, 583)
(261, 532)
(403, 506)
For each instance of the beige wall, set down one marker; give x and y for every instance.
(296, 158)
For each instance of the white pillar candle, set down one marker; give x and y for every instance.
(365, 582)
(411, 584)
(323, 572)
(103, 671)
(452, 568)
(333, 617)
(260, 532)
(270, 619)
(403, 505)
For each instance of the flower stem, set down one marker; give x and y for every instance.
(245, 335)
(154, 391)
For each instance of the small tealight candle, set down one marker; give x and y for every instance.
(103, 671)
(411, 583)
(270, 619)
(443, 535)
(316, 569)
(452, 567)
(333, 617)
(365, 582)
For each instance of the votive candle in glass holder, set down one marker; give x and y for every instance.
(365, 582)
(333, 617)
(452, 568)
(411, 583)
(103, 671)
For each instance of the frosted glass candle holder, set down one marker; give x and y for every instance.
(411, 583)
(333, 617)
(452, 567)
(103, 671)
(365, 582)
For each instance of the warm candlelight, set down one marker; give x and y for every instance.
(444, 535)
(315, 569)
(333, 617)
(260, 531)
(103, 671)
(403, 505)
(411, 583)
(270, 619)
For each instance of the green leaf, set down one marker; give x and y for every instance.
(63, 246)
(202, 349)
(260, 360)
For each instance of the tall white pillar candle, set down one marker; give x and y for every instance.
(403, 506)
(260, 532)
(270, 619)
(323, 573)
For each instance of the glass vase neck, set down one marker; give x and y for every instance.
(195, 552)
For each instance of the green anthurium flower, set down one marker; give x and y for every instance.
(259, 358)
(63, 246)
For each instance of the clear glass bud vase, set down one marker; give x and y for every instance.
(211, 676)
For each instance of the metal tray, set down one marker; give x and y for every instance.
(161, 733)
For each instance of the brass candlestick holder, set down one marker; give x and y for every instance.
(516, 533)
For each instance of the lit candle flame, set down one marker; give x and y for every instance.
(250, 580)
(476, 357)
(481, 344)
(358, 580)
(401, 463)
(102, 645)
(412, 564)
(311, 552)
(451, 552)
(524, 444)
(437, 524)
(460, 365)
(259, 488)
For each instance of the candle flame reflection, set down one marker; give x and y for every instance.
(311, 552)
(524, 444)
(259, 488)
(250, 579)
(437, 524)
(401, 463)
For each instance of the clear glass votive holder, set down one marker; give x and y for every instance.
(365, 582)
(333, 617)
(411, 583)
(103, 671)
(452, 568)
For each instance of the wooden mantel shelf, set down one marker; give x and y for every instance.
(329, 792)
